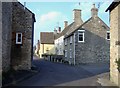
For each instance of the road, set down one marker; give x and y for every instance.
(58, 74)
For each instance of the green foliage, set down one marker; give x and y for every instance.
(118, 64)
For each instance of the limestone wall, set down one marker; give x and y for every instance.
(95, 48)
(22, 22)
(114, 47)
(6, 34)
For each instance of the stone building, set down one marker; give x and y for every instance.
(46, 43)
(17, 36)
(5, 35)
(59, 38)
(22, 36)
(114, 10)
(89, 42)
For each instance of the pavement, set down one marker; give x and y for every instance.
(104, 80)
(13, 77)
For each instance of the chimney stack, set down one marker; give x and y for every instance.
(94, 11)
(77, 16)
(59, 29)
(65, 24)
(55, 31)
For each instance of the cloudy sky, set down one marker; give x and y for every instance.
(50, 15)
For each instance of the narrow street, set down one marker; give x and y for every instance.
(57, 74)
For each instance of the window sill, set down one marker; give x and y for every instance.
(81, 41)
(108, 39)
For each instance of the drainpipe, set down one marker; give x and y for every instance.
(74, 48)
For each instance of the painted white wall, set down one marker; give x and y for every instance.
(59, 46)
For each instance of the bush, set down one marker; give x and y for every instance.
(118, 64)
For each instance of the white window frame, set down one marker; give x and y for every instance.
(65, 41)
(70, 39)
(70, 53)
(17, 38)
(65, 53)
(107, 35)
(83, 33)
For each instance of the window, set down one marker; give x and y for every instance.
(18, 38)
(81, 35)
(108, 35)
(65, 53)
(65, 41)
(70, 53)
(70, 39)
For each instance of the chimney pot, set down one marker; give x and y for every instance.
(65, 24)
(55, 31)
(93, 5)
(59, 29)
(94, 11)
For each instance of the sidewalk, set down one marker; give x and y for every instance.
(104, 80)
(13, 77)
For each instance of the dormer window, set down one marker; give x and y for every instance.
(108, 35)
(18, 38)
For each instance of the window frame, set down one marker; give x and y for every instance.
(70, 53)
(71, 39)
(66, 53)
(107, 35)
(20, 38)
(83, 35)
(65, 41)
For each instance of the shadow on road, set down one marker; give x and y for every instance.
(53, 73)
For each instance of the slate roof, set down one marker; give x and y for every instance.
(113, 5)
(47, 37)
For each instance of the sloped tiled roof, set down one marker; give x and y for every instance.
(47, 37)
(65, 30)
(72, 31)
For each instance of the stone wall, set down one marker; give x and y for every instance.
(22, 22)
(6, 35)
(114, 47)
(95, 49)
(0, 38)
(70, 49)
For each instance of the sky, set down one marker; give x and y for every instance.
(50, 15)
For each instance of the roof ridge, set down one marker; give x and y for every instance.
(78, 27)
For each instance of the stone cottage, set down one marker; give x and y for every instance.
(89, 42)
(17, 36)
(46, 43)
(114, 10)
(59, 38)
